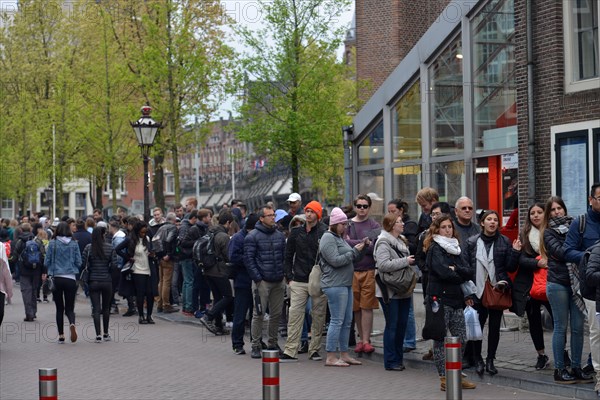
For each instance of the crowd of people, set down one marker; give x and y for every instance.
(237, 269)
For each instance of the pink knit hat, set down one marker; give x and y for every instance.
(337, 217)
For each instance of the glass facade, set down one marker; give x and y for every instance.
(370, 151)
(446, 101)
(449, 180)
(371, 183)
(494, 89)
(406, 126)
(406, 181)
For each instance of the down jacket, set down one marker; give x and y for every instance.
(263, 254)
(505, 257)
(558, 271)
(100, 269)
(443, 282)
(592, 272)
(387, 259)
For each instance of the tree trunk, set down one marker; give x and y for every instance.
(158, 182)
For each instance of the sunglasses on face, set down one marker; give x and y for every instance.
(466, 208)
(363, 206)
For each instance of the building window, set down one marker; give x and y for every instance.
(571, 168)
(370, 151)
(80, 200)
(446, 101)
(494, 89)
(169, 184)
(406, 129)
(582, 54)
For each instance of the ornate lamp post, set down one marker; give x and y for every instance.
(145, 130)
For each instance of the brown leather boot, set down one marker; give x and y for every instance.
(443, 383)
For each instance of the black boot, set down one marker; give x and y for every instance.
(562, 376)
(580, 376)
(480, 367)
(489, 366)
(142, 320)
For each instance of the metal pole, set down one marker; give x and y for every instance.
(270, 371)
(146, 191)
(53, 172)
(232, 172)
(453, 368)
(197, 161)
(48, 384)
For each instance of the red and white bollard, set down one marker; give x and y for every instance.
(48, 384)
(270, 372)
(453, 368)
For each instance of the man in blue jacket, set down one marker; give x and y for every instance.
(264, 249)
(577, 241)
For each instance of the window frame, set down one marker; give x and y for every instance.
(570, 52)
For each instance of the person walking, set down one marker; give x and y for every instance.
(100, 259)
(6, 285)
(63, 262)
(337, 263)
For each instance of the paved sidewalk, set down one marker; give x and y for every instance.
(515, 360)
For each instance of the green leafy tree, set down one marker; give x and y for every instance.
(298, 95)
(176, 50)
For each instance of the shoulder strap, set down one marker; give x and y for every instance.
(582, 223)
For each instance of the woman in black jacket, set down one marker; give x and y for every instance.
(100, 259)
(530, 261)
(490, 256)
(560, 295)
(137, 248)
(447, 271)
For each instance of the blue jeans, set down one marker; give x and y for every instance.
(242, 304)
(188, 270)
(410, 337)
(340, 300)
(396, 317)
(564, 310)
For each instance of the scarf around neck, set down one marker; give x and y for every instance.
(485, 266)
(560, 224)
(450, 245)
(534, 239)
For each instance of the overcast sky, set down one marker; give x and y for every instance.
(247, 12)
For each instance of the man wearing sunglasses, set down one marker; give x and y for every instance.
(363, 228)
(464, 210)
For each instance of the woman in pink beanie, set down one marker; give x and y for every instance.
(337, 264)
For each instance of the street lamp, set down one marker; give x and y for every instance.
(145, 130)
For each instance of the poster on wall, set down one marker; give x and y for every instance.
(510, 165)
(573, 175)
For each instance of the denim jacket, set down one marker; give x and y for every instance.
(63, 258)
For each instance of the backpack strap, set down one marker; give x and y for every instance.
(582, 223)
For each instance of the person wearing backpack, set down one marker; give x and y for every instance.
(29, 253)
(583, 233)
(217, 271)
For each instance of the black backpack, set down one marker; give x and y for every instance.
(587, 291)
(204, 253)
(162, 239)
(31, 257)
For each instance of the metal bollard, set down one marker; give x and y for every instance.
(48, 384)
(453, 368)
(270, 372)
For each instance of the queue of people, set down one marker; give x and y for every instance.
(461, 258)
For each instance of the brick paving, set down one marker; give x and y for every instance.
(173, 360)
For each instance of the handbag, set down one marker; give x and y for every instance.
(435, 324)
(400, 281)
(50, 283)
(472, 324)
(84, 276)
(496, 299)
(538, 288)
(314, 279)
